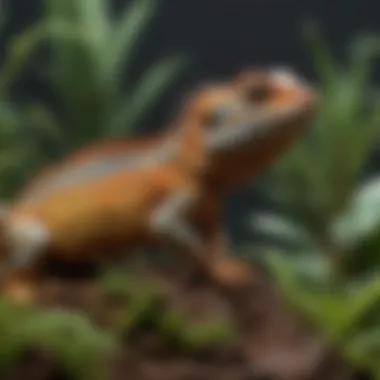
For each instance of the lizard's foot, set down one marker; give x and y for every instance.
(229, 271)
(21, 293)
(20, 287)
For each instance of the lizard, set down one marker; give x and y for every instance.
(251, 82)
(172, 194)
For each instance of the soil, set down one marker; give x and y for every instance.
(145, 357)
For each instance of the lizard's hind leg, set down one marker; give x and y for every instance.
(25, 240)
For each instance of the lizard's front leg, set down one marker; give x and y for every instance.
(212, 228)
(19, 285)
(207, 249)
(171, 224)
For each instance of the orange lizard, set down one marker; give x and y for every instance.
(168, 189)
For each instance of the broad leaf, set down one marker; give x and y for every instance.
(361, 218)
(282, 228)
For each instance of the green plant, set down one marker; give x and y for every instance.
(25, 126)
(91, 72)
(329, 215)
(17, 154)
(145, 308)
(316, 184)
(80, 348)
(348, 315)
(89, 66)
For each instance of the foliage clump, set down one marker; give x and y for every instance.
(145, 308)
(330, 210)
(79, 347)
(82, 349)
(83, 55)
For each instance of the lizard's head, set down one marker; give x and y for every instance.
(254, 118)
(254, 96)
(274, 88)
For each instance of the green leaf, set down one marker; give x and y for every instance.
(282, 228)
(88, 70)
(323, 307)
(316, 179)
(24, 45)
(288, 279)
(151, 85)
(17, 55)
(95, 20)
(42, 121)
(364, 348)
(361, 217)
(360, 302)
(126, 35)
(325, 63)
(313, 267)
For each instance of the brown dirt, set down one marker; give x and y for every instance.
(145, 357)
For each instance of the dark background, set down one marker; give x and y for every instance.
(221, 36)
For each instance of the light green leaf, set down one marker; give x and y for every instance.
(361, 301)
(288, 280)
(126, 35)
(18, 53)
(280, 228)
(361, 217)
(95, 20)
(325, 63)
(42, 121)
(364, 348)
(324, 308)
(151, 85)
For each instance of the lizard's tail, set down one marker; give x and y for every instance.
(229, 271)
(25, 239)
(21, 242)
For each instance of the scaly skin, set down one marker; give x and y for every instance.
(123, 195)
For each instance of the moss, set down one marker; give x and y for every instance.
(79, 347)
(208, 334)
(146, 309)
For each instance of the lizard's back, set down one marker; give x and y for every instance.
(100, 197)
(129, 151)
(108, 212)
